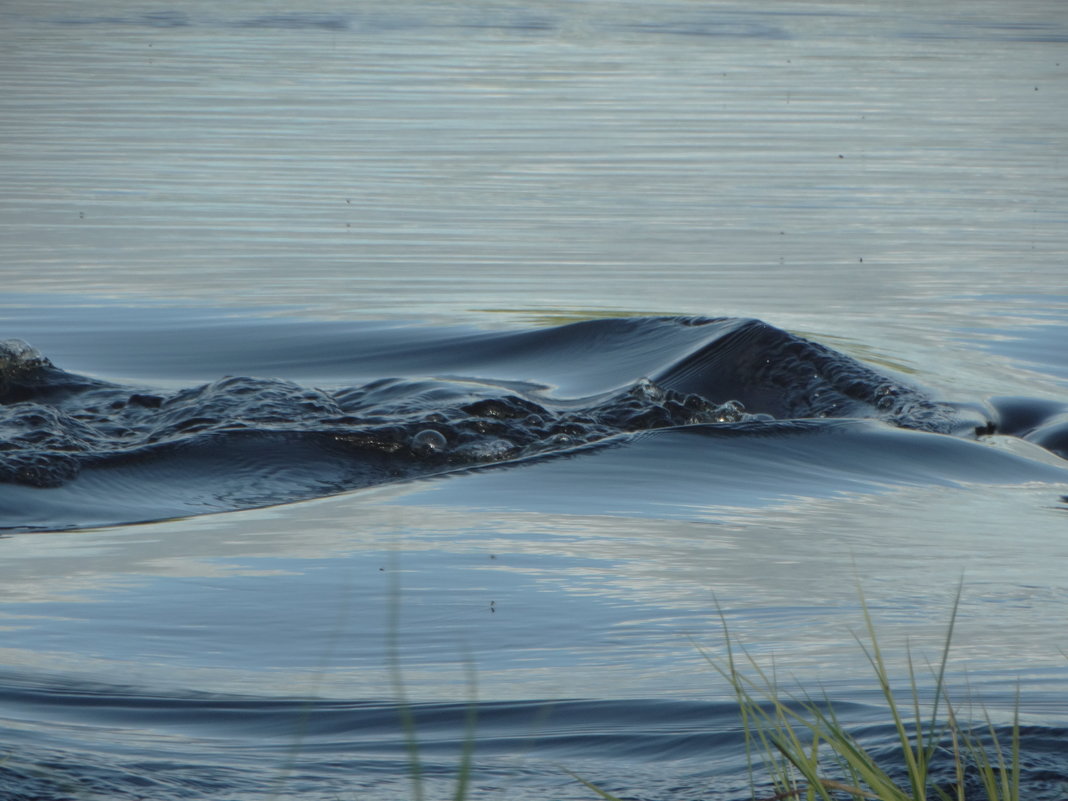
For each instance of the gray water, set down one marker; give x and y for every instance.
(196, 190)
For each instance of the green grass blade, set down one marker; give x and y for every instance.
(396, 676)
(593, 787)
(467, 755)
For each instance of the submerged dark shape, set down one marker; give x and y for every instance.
(241, 441)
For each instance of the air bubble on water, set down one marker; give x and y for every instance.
(647, 390)
(16, 354)
(729, 412)
(429, 441)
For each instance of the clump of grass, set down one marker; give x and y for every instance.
(808, 754)
(804, 749)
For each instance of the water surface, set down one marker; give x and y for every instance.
(324, 196)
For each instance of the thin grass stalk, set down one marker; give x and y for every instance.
(1015, 786)
(998, 772)
(750, 712)
(307, 709)
(976, 752)
(806, 760)
(958, 763)
(404, 710)
(940, 679)
(1000, 776)
(778, 734)
(921, 753)
(463, 778)
(859, 764)
(875, 657)
(780, 729)
(590, 786)
(792, 733)
(849, 756)
(1010, 773)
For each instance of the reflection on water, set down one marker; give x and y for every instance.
(431, 160)
(250, 189)
(525, 594)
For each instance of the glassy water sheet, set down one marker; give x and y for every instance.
(256, 657)
(426, 159)
(251, 654)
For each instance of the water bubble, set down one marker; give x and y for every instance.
(17, 355)
(730, 412)
(647, 390)
(429, 441)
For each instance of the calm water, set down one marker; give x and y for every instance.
(331, 194)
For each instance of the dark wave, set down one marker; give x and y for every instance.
(116, 742)
(444, 403)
